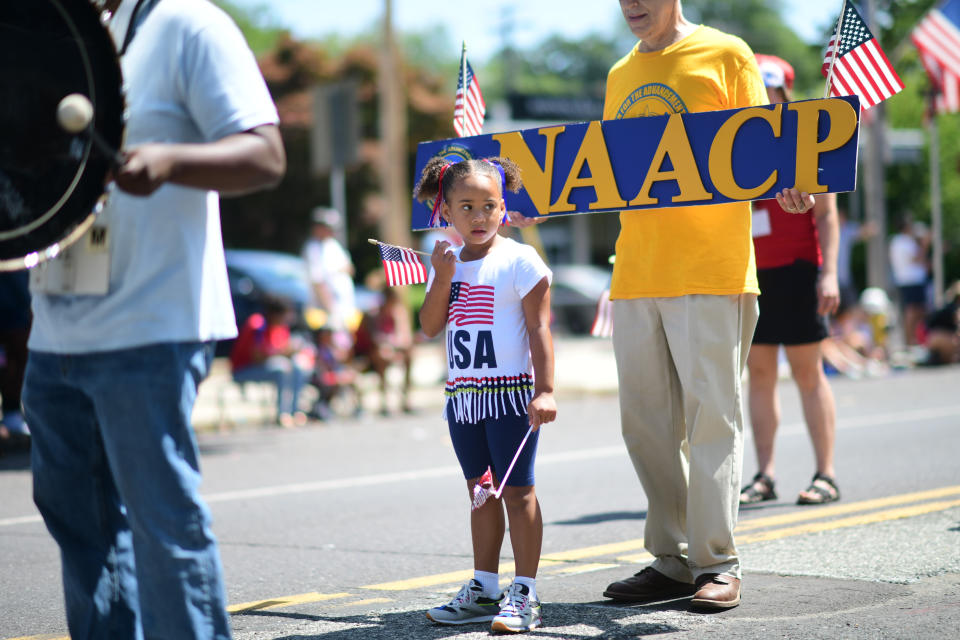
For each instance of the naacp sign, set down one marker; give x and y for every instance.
(670, 161)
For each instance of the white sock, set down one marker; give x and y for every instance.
(529, 583)
(489, 581)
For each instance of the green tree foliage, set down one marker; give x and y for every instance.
(280, 219)
(908, 185)
(258, 25)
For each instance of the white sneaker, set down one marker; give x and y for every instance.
(469, 605)
(518, 612)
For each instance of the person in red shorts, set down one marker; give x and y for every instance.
(797, 273)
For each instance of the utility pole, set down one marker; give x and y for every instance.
(936, 209)
(395, 224)
(874, 155)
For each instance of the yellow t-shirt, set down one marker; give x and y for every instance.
(685, 250)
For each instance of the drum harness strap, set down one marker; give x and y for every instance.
(140, 13)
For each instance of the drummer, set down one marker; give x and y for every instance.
(112, 375)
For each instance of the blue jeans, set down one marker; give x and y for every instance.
(116, 476)
(284, 373)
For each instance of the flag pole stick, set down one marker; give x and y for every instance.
(836, 49)
(387, 244)
(463, 78)
(503, 481)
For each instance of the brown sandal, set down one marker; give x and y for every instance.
(824, 492)
(760, 489)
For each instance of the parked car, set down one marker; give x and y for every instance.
(255, 275)
(574, 294)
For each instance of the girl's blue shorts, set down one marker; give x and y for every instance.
(493, 442)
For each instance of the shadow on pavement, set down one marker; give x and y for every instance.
(594, 518)
(613, 621)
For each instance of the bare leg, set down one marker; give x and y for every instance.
(764, 404)
(486, 528)
(819, 409)
(379, 364)
(912, 317)
(526, 528)
(406, 356)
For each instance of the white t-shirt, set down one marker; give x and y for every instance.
(328, 262)
(903, 253)
(490, 370)
(189, 77)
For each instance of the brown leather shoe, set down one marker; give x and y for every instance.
(716, 591)
(647, 586)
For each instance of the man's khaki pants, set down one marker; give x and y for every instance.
(679, 362)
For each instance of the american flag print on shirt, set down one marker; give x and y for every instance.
(401, 266)
(861, 68)
(470, 304)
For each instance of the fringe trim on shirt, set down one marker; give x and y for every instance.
(475, 399)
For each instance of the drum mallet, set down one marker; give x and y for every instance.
(75, 116)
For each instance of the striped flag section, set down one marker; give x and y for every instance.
(401, 266)
(603, 322)
(469, 109)
(470, 304)
(860, 68)
(937, 38)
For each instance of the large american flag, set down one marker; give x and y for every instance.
(861, 68)
(401, 266)
(937, 37)
(469, 110)
(470, 304)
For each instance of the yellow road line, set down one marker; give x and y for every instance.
(816, 513)
(640, 558)
(583, 568)
(286, 601)
(598, 550)
(459, 577)
(563, 557)
(453, 577)
(869, 518)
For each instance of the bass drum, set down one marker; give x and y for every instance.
(52, 182)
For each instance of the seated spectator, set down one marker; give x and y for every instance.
(332, 375)
(265, 352)
(852, 348)
(943, 337)
(385, 337)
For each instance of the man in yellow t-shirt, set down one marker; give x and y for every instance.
(684, 290)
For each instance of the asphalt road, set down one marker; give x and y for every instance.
(351, 530)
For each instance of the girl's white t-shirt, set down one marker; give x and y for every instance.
(490, 370)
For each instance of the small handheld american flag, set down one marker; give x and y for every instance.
(401, 266)
(484, 487)
(857, 65)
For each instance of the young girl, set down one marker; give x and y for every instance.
(493, 296)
